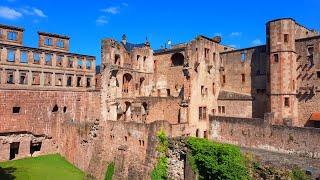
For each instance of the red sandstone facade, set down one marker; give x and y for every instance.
(52, 101)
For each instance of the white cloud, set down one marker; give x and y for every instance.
(9, 13)
(125, 4)
(235, 34)
(111, 10)
(256, 42)
(101, 20)
(32, 11)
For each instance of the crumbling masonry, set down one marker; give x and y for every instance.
(53, 101)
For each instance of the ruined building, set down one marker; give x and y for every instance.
(52, 101)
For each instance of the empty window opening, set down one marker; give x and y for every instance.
(126, 84)
(126, 138)
(60, 43)
(79, 63)
(243, 78)
(206, 54)
(88, 64)
(88, 82)
(213, 112)
(65, 109)
(12, 36)
(168, 92)
(55, 108)
(16, 110)
(35, 146)
(223, 79)
(24, 57)
(276, 58)
(48, 41)
(197, 133)
(10, 77)
(10, 55)
(286, 38)
(59, 61)
(243, 56)
(70, 62)
(177, 59)
(36, 58)
(48, 58)
(205, 134)
(23, 78)
(14, 149)
(142, 142)
(318, 74)
(117, 59)
(78, 81)
(286, 102)
(202, 113)
(310, 50)
(138, 57)
(35, 78)
(223, 110)
(213, 89)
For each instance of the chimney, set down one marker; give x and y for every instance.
(124, 39)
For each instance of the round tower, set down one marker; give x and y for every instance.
(282, 71)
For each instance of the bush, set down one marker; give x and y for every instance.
(109, 172)
(160, 170)
(216, 161)
(298, 174)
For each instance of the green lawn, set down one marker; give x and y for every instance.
(53, 167)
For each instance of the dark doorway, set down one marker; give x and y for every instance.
(14, 149)
(35, 146)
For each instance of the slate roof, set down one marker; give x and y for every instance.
(129, 46)
(227, 95)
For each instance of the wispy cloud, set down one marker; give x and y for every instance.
(111, 10)
(256, 42)
(236, 34)
(101, 20)
(9, 13)
(32, 11)
(125, 4)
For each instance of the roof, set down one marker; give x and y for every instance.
(11, 27)
(129, 46)
(315, 116)
(228, 95)
(53, 35)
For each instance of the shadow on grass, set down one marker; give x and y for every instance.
(7, 173)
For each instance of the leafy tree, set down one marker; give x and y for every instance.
(160, 170)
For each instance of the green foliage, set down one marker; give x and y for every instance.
(160, 170)
(216, 161)
(109, 172)
(41, 167)
(298, 174)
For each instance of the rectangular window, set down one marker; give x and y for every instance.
(35, 78)
(310, 50)
(59, 61)
(10, 77)
(70, 62)
(58, 80)
(15, 110)
(243, 56)
(47, 81)
(88, 82)
(12, 36)
(168, 92)
(79, 81)
(318, 74)
(243, 78)
(48, 41)
(202, 113)
(286, 38)
(223, 79)
(88, 64)
(286, 102)
(48, 59)
(60, 43)
(206, 54)
(36, 58)
(219, 109)
(23, 78)
(11, 55)
(276, 58)
(24, 57)
(69, 80)
(79, 63)
(223, 110)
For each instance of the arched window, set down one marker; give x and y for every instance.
(117, 59)
(126, 85)
(177, 59)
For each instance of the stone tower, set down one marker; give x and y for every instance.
(282, 73)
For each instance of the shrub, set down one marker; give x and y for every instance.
(160, 170)
(298, 174)
(109, 172)
(216, 161)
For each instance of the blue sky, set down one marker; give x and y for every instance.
(240, 23)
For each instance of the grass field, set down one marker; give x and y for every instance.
(49, 167)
